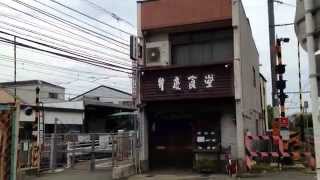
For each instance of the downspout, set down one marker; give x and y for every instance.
(238, 80)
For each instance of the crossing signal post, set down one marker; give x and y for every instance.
(281, 86)
(36, 134)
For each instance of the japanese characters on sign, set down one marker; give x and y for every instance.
(193, 81)
(180, 83)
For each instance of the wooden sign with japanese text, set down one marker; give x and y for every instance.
(173, 83)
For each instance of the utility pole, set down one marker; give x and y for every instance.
(272, 53)
(310, 29)
(15, 68)
(300, 86)
(300, 95)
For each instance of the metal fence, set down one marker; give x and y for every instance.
(125, 149)
(85, 151)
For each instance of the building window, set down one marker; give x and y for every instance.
(95, 98)
(203, 47)
(53, 95)
(254, 77)
(127, 103)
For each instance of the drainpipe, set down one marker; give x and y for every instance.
(310, 27)
(236, 4)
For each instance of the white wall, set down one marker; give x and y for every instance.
(106, 95)
(75, 118)
(64, 117)
(249, 59)
(229, 132)
(247, 97)
(27, 93)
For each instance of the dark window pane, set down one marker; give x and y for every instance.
(197, 48)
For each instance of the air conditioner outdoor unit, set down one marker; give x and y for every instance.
(157, 53)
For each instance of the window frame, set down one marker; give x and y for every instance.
(53, 95)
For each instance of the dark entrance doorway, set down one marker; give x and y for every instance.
(174, 127)
(171, 144)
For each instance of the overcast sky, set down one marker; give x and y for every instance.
(79, 77)
(257, 13)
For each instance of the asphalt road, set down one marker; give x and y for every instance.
(106, 174)
(75, 175)
(289, 175)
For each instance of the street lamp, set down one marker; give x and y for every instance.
(317, 53)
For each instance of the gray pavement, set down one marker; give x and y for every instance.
(172, 175)
(76, 174)
(106, 174)
(79, 172)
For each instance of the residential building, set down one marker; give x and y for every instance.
(100, 103)
(90, 112)
(67, 116)
(106, 94)
(199, 87)
(26, 91)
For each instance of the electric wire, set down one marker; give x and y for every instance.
(61, 45)
(65, 93)
(88, 24)
(92, 60)
(71, 24)
(50, 74)
(62, 55)
(57, 68)
(54, 24)
(79, 12)
(115, 16)
(64, 59)
(61, 34)
(284, 3)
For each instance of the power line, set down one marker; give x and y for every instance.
(286, 24)
(88, 59)
(284, 3)
(95, 27)
(79, 12)
(63, 34)
(59, 26)
(47, 73)
(58, 57)
(55, 39)
(63, 55)
(115, 16)
(297, 92)
(25, 89)
(89, 31)
(55, 68)
(50, 74)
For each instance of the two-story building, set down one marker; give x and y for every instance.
(68, 116)
(25, 90)
(100, 104)
(198, 81)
